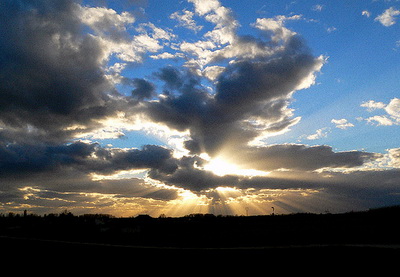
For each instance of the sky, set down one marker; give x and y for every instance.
(201, 106)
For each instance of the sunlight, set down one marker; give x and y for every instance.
(186, 203)
(221, 167)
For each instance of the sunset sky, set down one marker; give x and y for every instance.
(199, 106)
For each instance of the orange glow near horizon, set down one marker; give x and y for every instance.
(224, 200)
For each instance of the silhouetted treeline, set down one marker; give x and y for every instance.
(377, 226)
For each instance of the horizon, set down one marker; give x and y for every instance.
(67, 213)
(133, 107)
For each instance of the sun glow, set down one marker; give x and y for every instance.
(222, 167)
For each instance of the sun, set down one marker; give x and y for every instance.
(222, 167)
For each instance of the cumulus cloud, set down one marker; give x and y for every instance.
(320, 133)
(53, 83)
(392, 109)
(276, 26)
(250, 98)
(185, 19)
(106, 21)
(373, 105)
(143, 89)
(388, 17)
(41, 176)
(342, 123)
(366, 13)
(380, 120)
(84, 157)
(394, 156)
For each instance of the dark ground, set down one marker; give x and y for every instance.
(363, 238)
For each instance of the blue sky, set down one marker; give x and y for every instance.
(133, 106)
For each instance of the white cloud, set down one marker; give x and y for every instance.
(146, 43)
(392, 109)
(387, 18)
(394, 157)
(186, 20)
(331, 29)
(372, 105)
(318, 8)
(205, 6)
(212, 72)
(381, 120)
(320, 133)
(225, 23)
(342, 123)
(276, 25)
(366, 13)
(105, 20)
(155, 32)
(110, 31)
(166, 55)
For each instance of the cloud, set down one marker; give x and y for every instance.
(372, 105)
(381, 120)
(366, 13)
(58, 82)
(394, 157)
(214, 12)
(106, 21)
(80, 194)
(251, 98)
(194, 179)
(318, 134)
(318, 7)
(388, 17)
(143, 89)
(342, 123)
(186, 20)
(392, 109)
(83, 157)
(276, 26)
(300, 157)
(289, 164)
(53, 82)
(47, 177)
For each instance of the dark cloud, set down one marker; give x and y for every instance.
(190, 175)
(143, 89)
(359, 187)
(300, 157)
(251, 96)
(51, 78)
(19, 159)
